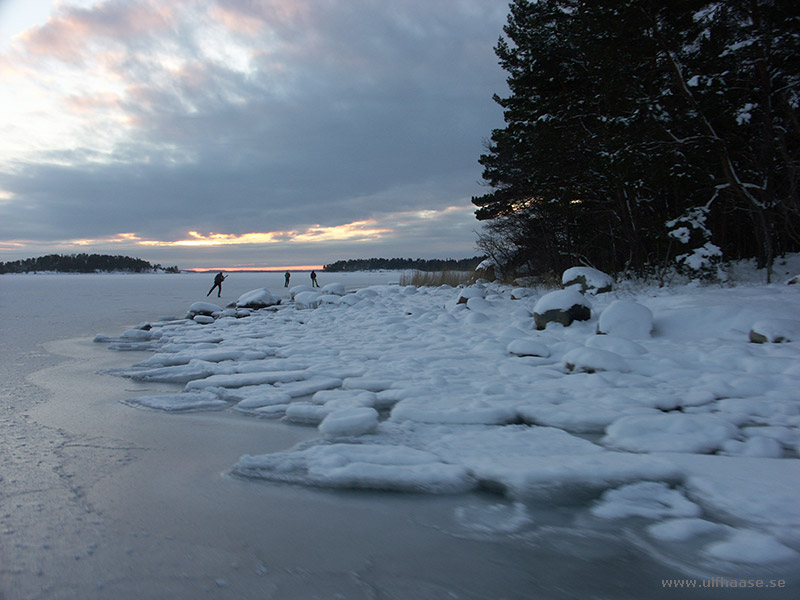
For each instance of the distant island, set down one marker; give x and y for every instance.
(83, 263)
(402, 264)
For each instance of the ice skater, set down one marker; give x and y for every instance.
(287, 276)
(314, 279)
(217, 284)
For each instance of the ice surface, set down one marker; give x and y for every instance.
(353, 421)
(359, 466)
(683, 529)
(177, 402)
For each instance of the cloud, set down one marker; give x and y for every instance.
(240, 116)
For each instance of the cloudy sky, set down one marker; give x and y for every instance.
(245, 133)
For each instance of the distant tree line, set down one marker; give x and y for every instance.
(419, 264)
(82, 263)
(642, 133)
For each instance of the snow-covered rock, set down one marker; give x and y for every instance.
(307, 299)
(591, 280)
(335, 289)
(526, 347)
(478, 303)
(591, 360)
(203, 308)
(472, 291)
(259, 298)
(521, 292)
(775, 331)
(297, 289)
(561, 306)
(626, 319)
(615, 344)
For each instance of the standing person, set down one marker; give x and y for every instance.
(314, 279)
(217, 284)
(286, 276)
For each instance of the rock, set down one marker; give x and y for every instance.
(523, 347)
(591, 360)
(478, 303)
(775, 331)
(336, 289)
(470, 292)
(626, 319)
(591, 280)
(521, 292)
(562, 306)
(794, 280)
(298, 289)
(203, 308)
(621, 346)
(260, 298)
(307, 300)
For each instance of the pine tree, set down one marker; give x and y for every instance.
(630, 120)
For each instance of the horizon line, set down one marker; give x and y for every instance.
(257, 269)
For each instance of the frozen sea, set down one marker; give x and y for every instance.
(102, 498)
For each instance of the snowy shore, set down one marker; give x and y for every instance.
(691, 430)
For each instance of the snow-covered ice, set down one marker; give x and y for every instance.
(671, 414)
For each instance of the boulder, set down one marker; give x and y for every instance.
(298, 289)
(562, 306)
(524, 347)
(775, 331)
(591, 280)
(794, 280)
(591, 360)
(478, 303)
(307, 300)
(203, 308)
(336, 289)
(260, 298)
(521, 292)
(470, 292)
(626, 319)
